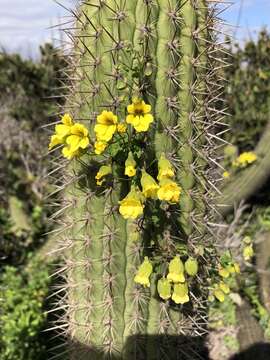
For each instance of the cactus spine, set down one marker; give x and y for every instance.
(163, 52)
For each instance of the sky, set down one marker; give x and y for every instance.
(25, 24)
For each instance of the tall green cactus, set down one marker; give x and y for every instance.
(164, 53)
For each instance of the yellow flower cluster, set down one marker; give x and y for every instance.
(175, 286)
(107, 123)
(221, 289)
(132, 205)
(143, 274)
(74, 136)
(245, 159)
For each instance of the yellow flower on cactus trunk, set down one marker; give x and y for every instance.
(176, 270)
(130, 165)
(106, 126)
(165, 168)
(139, 115)
(61, 131)
(169, 191)
(76, 141)
(102, 172)
(149, 185)
(143, 273)
(180, 293)
(164, 288)
(131, 207)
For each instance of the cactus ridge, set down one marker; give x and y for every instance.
(173, 44)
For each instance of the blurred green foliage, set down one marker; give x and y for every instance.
(22, 317)
(31, 87)
(248, 91)
(28, 98)
(30, 93)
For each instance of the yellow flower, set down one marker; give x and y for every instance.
(224, 287)
(191, 266)
(219, 294)
(226, 174)
(165, 168)
(139, 115)
(106, 126)
(132, 206)
(144, 272)
(248, 252)
(149, 185)
(169, 191)
(121, 128)
(164, 288)
(102, 172)
(223, 272)
(61, 131)
(176, 270)
(180, 293)
(234, 268)
(245, 159)
(100, 147)
(78, 139)
(130, 165)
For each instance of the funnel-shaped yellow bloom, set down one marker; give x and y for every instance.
(102, 172)
(165, 168)
(180, 293)
(176, 270)
(164, 288)
(77, 140)
(169, 191)
(131, 207)
(130, 165)
(139, 115)
(191, 266)
(61, 131)
(100, 147)
(149, 185)
(144, 272)
(106, 126)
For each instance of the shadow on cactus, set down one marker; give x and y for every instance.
(137, 233)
